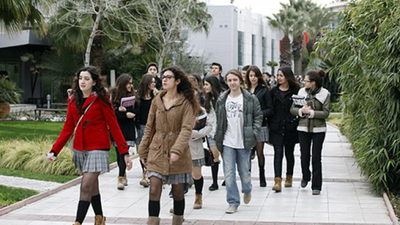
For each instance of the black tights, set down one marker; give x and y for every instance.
(260, 154)
(121, 164)
(89, 192)
(155, 195)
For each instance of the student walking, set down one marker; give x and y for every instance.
(164, 149)
(312, 127)
(91, 142)
(239, 121)
(126, 114)
(213, 88)
(283, 126)
(146, 93)
(256, 85)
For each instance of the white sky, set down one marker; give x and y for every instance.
(266, 7)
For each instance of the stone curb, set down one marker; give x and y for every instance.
(389, 207)
(42, 195)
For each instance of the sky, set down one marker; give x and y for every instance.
(266, 7)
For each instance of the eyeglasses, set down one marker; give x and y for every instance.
(166, 77)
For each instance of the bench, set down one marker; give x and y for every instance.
(38, 111)
(58, 104)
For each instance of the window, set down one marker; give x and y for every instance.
(264, 52)
(272, 50)
(253, 49)
(240, 48)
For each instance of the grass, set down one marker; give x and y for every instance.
(336, 119)
(30, 130)
(10, 195)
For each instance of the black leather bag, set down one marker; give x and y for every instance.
(209, 157)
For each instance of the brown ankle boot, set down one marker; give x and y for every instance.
(153, 220)
(99, 220)
(198, 202)
(125, 181)
(76, 223)
(177, 220)
(120, 184)
(288, 181)
(144, 182)
(277, 186)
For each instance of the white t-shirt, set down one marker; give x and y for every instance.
(234, 115)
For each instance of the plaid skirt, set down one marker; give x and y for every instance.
(92, 161)
(264, 134)
(173, 178)
(199, 162)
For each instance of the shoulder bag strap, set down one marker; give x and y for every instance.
(87, 108)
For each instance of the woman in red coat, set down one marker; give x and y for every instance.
(92, 140)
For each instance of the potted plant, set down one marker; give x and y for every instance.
(10, 93)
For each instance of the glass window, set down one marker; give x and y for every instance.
(240, 48)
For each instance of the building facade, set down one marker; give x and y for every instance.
(237, 37)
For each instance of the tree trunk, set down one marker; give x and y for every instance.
(285, 59)
(93, 34)
(297, 54)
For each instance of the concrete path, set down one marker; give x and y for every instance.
(346, 198)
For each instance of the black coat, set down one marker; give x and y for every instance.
(127, 125)
(264, 97)
(282, 124)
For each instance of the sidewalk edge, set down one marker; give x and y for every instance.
(39, 196)
(389, 207)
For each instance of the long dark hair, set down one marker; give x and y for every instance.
(288, 73)
(120, 89)
(144, 84)
(259, 76)
(185, 87)
(98, 87)
(216, 90)
(317, 76)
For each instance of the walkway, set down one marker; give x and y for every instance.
(346, 198)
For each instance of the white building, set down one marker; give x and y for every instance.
(237, 37)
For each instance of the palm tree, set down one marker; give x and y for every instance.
(284, 20)
(319, 20)
(89, 26)
(14, 14)
(272, 64)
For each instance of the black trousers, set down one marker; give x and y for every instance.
(288, 150)
(317, 140)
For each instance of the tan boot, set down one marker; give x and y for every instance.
(125, 181)
(99, 220)
(288, 181)
(76, 223)
(120, 185)
(177, 220)
(277, 186)
(198, 202)
(144, 182)
(153, 220)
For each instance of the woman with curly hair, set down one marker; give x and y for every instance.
(164, 149)
(91, 144)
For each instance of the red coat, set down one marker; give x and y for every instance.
(93, 130)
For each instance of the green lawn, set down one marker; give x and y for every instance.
(29, 130)
(10, 195)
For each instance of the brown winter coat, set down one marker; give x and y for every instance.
(172, 131)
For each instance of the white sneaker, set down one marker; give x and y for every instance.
(230, 210)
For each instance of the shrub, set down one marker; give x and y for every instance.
(364, 51)
(29, 155)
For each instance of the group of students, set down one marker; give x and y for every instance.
(171, 132)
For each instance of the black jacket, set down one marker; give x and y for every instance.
(282, 124)
(264, 97)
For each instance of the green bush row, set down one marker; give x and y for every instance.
(364, 51)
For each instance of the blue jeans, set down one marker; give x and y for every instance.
(241, 157)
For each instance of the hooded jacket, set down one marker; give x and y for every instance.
(168, 131)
